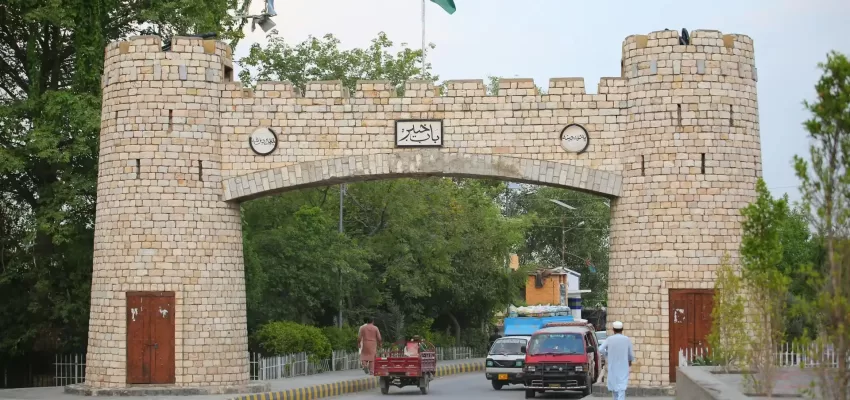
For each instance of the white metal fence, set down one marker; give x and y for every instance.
(291, 365)
(788, 355)
(69, 369)
(795, 355)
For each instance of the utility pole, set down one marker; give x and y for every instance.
(563, 242)
(339, 269)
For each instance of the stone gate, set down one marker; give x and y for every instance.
(674, 142)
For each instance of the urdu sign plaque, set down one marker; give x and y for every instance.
(419, 133)
(263, 141)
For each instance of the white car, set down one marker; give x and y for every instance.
(601, 336)
(505, 361)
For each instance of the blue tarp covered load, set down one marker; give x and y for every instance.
(516, 326)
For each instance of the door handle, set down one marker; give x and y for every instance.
(156, 346)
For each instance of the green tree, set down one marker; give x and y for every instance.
(766, 284)
(294, 260)
(825, 188)
(319, 59)
(728, 339)
(51, 61)
(799, 249)
(576, 238)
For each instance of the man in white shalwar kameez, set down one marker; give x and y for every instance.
(619, 356)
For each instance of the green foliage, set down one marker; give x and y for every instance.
(477, 339)
(704, 361)
(825, 188)
(344, 338)
(728, 339)
(421, 327)
(181, 17)
(297, 266)
(766, 285)
(441, 339)
(559, 236)
(413, 249)
(318, 59)
(50, 101)
(284, 337)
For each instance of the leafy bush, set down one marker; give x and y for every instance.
(477, 339)
(421, 328)
(284, 337)
(441, 339)
(344, 338)
(703, 361)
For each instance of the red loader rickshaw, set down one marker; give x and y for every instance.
(406, 364)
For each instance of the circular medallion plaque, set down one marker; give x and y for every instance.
(574, 138)
(263, 141)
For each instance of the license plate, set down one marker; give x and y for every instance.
(554, 385)
(503, 377)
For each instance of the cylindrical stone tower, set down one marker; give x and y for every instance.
(693, 158)
(168, 289)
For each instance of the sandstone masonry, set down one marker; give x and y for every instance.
(674, 142)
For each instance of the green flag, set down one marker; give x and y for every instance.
(448, 5)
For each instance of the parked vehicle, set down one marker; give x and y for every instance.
(601, 336)
(562, 356)
(505, 361)
(415, 363)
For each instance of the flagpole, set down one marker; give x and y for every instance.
(423, 38)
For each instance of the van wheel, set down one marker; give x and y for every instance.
(589, 388)
(529, 393)
(497, 385)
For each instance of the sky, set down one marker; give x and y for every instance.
(544, 39)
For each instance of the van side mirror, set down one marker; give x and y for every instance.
(522, 349)
(591, 349)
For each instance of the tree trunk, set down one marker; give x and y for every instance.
(456, 328)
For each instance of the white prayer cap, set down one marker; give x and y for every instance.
(617, 325)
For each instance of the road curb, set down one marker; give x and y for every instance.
(351, 385)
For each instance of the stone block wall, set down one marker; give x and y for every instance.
(326, 122)
(170, 221)
(692, 162)
(160, 223)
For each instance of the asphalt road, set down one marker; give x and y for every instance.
(472, 386)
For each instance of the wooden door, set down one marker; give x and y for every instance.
(690, 322)
(150, 337)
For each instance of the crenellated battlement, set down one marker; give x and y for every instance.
(700, 40)
(658, 53)
(710, 52)
(512, 89)
(141, 46)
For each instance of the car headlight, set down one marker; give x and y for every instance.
(579, 368)
(530, 368)
(489, 363)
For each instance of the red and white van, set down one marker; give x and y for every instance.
(561, 356)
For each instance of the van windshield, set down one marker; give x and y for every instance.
(508, 346)
(556, 343)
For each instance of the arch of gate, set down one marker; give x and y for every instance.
(420, 163)
(674, 141)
